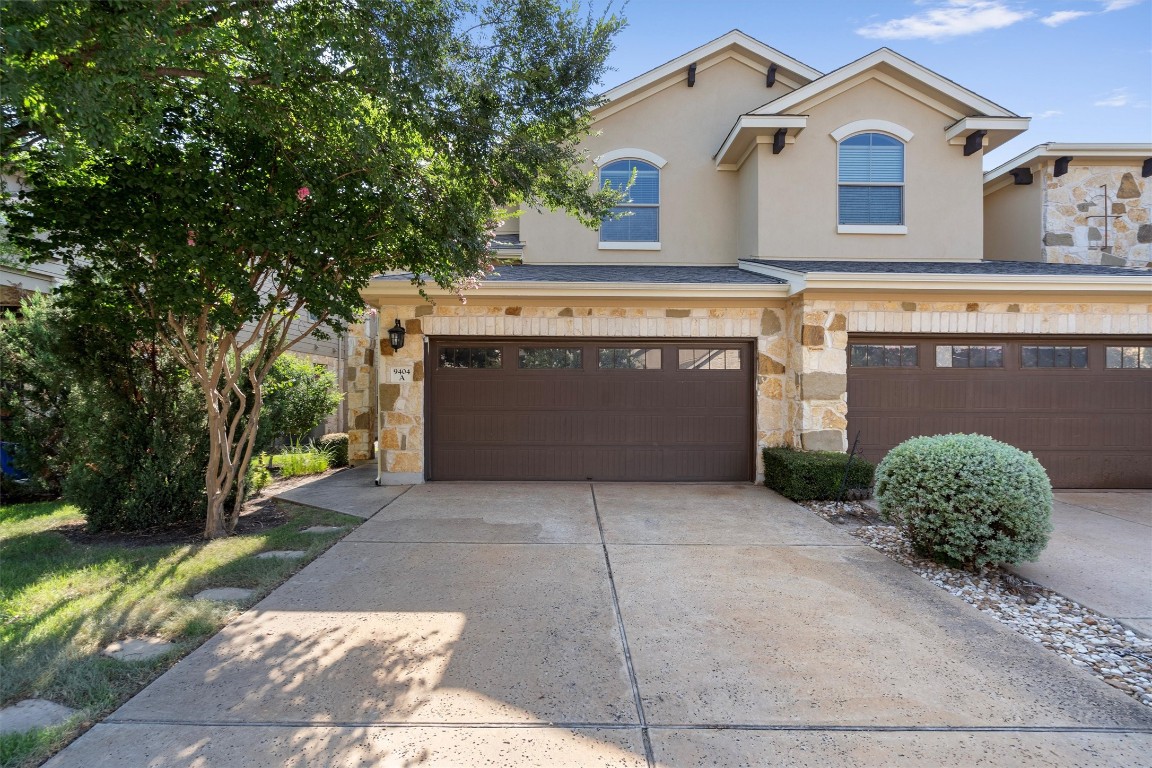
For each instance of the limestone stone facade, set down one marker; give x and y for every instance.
(359, 390)
(1073, 205)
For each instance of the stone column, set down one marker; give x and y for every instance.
(401, 400)
(817, 392)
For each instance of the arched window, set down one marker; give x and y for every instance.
(641, 207)
(871, 180)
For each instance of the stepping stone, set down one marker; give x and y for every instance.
(282, 554)
(323, 529)
(138, 648)
(33, 713)
(224, 594)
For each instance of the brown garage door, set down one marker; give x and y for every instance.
(567, 409)
(1083, 407)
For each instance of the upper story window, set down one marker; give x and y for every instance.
(640, 182)
(871, 183)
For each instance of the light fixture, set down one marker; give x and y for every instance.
(396, 335)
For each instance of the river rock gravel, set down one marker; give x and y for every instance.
(1103, 646)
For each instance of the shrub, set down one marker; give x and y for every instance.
(34, 394)
(813, 475)
(336, 444)
(966, 500)
(259, 476)
(106, 418)
(297, 396)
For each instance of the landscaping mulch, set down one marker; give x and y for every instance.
(259, 513)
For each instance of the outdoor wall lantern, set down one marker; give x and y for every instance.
(396, 335)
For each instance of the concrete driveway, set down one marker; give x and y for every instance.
(1100, 554)
(614, 625)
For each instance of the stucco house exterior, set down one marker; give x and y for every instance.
(1071, 204)
(799, 262)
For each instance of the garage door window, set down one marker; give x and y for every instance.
(1128, 357)
(709, 359)
(630, 358)
(1043, 356)
(885, 356)
(967, 356)
(470, 357)
(551, 357)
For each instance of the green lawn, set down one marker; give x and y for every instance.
(62, 602)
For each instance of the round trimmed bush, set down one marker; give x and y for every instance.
(966, 500)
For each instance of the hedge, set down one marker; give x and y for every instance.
(336, 444)
(813, 475)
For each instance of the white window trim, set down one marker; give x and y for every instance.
(872, 229)
(639, 245)
(872, 126)
(630, 153)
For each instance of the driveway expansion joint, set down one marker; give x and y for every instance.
(635, 726)
(649, 754)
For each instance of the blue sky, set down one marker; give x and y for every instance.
(1082, 69)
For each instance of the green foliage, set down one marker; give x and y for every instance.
(114, 424)
(259, 476)
(208, 171)
(813, 475)
(34, 394)
(298, 395)
(302, 460)
(966, 500)
(335, 444)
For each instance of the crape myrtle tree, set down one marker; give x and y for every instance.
(209, 170)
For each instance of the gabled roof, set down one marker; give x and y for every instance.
(1077, 151)
(903, 69)
(734, 44)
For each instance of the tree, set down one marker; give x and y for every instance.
(209, 170)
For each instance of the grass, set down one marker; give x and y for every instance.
(62, 602)
(299, 460)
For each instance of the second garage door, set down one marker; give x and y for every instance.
(615, 409)
(1082, 406)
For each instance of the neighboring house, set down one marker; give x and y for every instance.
(800, 264)
(1072, 204)
(18, 281)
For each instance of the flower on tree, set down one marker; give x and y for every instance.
(302, 193)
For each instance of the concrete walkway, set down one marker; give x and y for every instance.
(614, 625)
(1100, 554)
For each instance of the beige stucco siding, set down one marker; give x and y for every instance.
(698, 204)
(1012, 223)
(942, 191)
(748, 224)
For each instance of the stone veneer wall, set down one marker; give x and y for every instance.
(401, 406)
(359, 384)
(816, 390)
(1072, 236)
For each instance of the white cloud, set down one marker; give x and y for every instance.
(1048, 113)
(1119, 5)
(951, 18)
(1063, 17)
(1117, 98)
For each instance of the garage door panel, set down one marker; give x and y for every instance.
(663, 423)
(1089, 427)
(1129, 430)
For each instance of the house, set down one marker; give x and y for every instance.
(1071, 204)
(800, 262)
